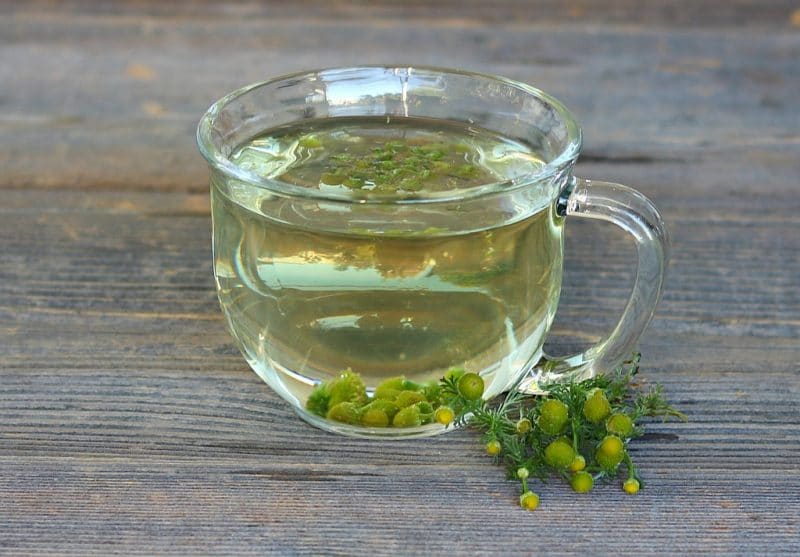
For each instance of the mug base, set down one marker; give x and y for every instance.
(363, 432)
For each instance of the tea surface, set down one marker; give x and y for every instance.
(365, 156)
(310, 288)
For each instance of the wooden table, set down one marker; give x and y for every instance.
(129, 424)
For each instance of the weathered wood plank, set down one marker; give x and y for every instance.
(778, 13)
(695, 100)
(253, 507)
(59, 258)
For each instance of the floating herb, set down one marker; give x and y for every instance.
(397, 166)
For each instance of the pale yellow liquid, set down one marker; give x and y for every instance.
(309, 289)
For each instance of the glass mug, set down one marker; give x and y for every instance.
(313, 281)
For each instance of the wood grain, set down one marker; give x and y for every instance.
(458, 12)
(129, 424)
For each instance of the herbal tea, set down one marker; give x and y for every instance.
(311, 287)
(378, 228)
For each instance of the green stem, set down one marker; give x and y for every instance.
(575, 434)
(631, 468)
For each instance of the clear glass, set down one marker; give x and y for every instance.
(457, 278)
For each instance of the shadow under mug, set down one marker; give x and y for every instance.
(312, 282)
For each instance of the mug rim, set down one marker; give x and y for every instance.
(220, 162)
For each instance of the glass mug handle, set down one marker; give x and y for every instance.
(634, 213)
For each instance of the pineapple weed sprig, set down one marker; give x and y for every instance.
(577, 431)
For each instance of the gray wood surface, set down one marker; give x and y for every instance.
(129, 424)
